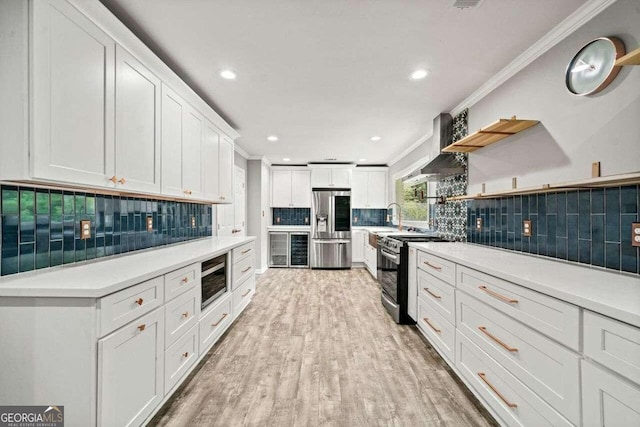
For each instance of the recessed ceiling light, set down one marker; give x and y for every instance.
(375, 138)
(419, 74)
(228, 74)
(286, 159)
(272, 138)
(362, 160)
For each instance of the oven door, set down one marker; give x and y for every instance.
(388, 273)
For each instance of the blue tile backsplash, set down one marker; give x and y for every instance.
(369, 217)
(291, 216)
(586, 226)
(40, 228)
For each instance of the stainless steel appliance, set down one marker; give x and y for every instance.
(214, 279)
(393, 272)
(288, 249)
(331, 229)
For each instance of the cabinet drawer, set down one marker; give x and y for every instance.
(549, 369)
(614, 344)
(608, 400)
(180, 281)
(552, 317)
(122, 307)
(180, 315)
(439, 267)
(242, 296)
(439, 293)
(215, 322)
(436, 328)
(243, 252)
(499, 389)
(179, 358)
(242, 270)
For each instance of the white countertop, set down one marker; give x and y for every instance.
(107, 275)
(612, 294)
(376, 229)
(287, 228)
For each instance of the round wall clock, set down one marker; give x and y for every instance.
(593, 67)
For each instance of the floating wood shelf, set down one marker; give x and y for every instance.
(600, 182)
(496, 131)
(631, 58)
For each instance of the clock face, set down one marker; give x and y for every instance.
(593, 67)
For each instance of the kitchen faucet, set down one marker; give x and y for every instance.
(399, 214)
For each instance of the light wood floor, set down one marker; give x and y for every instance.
(316, 347)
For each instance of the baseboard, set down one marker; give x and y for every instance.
(262, 270)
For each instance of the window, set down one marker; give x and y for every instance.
(413, 196)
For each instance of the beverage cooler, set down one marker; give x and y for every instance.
(288, 249)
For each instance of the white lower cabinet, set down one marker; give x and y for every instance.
(358, 245)
(607, 399)
(214, 322)
(437, 329)
(181, 314)
(180, 357)
(130, 371)
(242, 295)
(371, 259)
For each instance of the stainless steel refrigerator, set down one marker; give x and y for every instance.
(331, 229)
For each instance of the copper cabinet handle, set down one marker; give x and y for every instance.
(139, 301)
(435, 267)
(113, 179)
(185, 354)
(142, 327)
(185, 280)
(221, 319)
(483, 377)
(187, 192)
(245, 251)
(185, 314)
(432, 294)
(122, 181)
(246, 293)
(430, 325)
(483, 329)
(497, 295)
(246, 269)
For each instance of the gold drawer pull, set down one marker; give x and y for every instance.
(185, 280)
(221, 319)
(122, 181)
(246, 269)
(497, 295)
(188, 192)
(431, 326)
(483, 329)
(142, 327)
(113, 179)
(139, 301)
(483, 377)
(435, 267)
(432, 294)
(185, 354)
(246, 293)
(245, 251)
(185, 314)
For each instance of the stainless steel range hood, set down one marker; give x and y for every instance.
(444, 164)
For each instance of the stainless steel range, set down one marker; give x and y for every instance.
(393, 272)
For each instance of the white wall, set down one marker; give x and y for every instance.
(258, 212)
(574, 131)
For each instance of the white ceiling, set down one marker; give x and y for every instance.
(325, 76)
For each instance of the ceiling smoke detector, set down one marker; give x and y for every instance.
(466, 4)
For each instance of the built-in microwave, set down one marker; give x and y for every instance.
(215, 279)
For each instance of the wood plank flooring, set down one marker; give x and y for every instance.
(315, 347)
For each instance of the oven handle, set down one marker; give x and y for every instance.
(392, 257)
(214, 269)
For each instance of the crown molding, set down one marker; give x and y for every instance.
(410, 148)
(564, 29)
(241, 151)
(263, 159)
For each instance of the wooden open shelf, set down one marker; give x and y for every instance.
(631, 58)
(495, 132)
(600, 182)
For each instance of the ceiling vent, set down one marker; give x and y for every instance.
(467, 4)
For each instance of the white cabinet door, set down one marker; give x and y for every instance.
(137, 142)
(239, 208)
(607, 399)
(211, 162)
(226, 170)
(131, 371)
(412, 285)
(193, 126)
(281, 189)
(73, 96)
(376, 189)
(320, 178)
(359, 189)
(301, 189)
(173, 107)
(341, 178)
(358, 245)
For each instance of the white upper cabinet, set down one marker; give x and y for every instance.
(226, 170)
(137, 149)
(173, 110)
(193, 127)
(290, 188)
(210, 161)
(73, 97)
(369, 189)
(331, 178)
